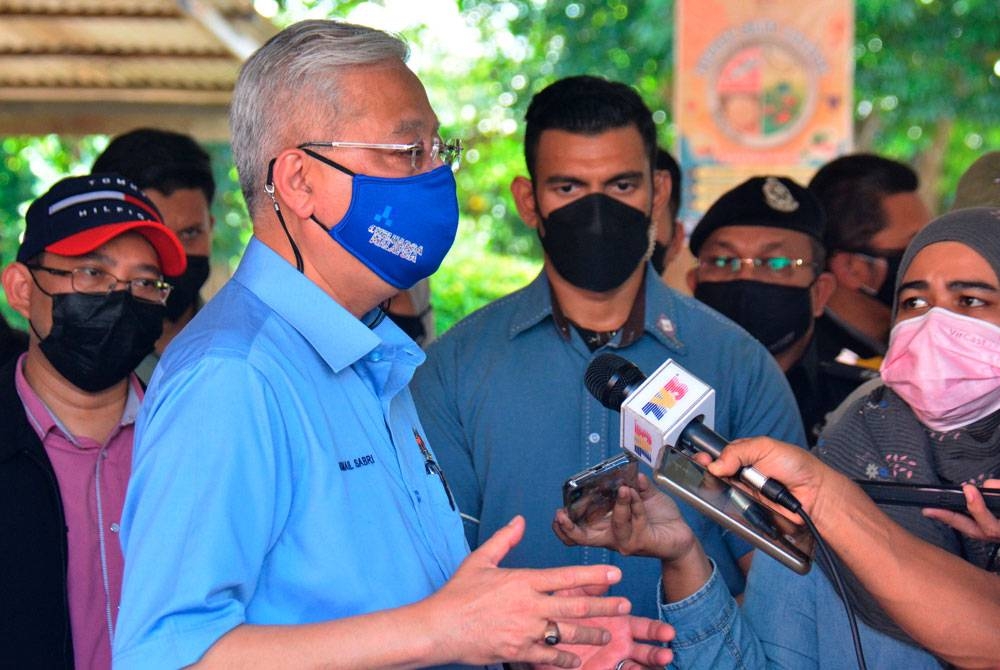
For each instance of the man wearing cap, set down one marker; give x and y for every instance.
(760, 262)
(89, 280)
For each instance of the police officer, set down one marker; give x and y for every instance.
(760, 263)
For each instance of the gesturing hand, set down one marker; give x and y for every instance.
(630, 645)
(487, 614)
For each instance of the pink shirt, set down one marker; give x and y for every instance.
(94, 574)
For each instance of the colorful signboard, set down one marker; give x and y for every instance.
(762, 87)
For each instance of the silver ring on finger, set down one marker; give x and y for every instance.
(621, 664)
(551, 635)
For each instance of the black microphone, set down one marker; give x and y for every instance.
(613, 380)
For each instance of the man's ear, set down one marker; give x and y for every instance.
(821, 291)
(692, 279)
(292, 184)
(676, 242)
(662, 185)
(524, 199)
(853, 271)
(17, 283)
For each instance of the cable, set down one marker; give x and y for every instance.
(838, 581)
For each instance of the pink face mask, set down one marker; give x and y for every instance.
(946, 367)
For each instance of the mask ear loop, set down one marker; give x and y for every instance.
(269, 189)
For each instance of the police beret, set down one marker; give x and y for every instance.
(775, 202)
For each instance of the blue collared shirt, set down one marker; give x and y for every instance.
(503, 401)
(280, 474)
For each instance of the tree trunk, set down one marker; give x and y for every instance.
(865, 131)
(928, 164)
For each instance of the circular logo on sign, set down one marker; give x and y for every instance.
(763, 91)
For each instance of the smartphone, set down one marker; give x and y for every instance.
(590, 495)
(921, 495)
(733, 509)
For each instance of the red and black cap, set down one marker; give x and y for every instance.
(79, 214)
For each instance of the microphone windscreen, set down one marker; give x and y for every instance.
(611, 378)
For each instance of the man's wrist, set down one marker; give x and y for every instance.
(685, 574)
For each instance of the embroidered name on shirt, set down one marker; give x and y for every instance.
(359, 462)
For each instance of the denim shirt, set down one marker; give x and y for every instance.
(788, 621)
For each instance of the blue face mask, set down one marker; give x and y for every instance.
(400, 228)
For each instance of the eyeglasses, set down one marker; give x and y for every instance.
(774, 266)
(94, 281)
(449, 153)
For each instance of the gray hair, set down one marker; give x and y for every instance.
(290, 85)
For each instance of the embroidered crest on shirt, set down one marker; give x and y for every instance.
(778, 197)
(666, 326)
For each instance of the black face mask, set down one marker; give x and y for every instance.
(186, 286)
(96, 340)
(887, 291)
(596, 242)
(777, 316)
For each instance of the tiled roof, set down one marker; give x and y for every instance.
(105, 66)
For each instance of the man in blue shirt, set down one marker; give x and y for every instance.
(286, 509)
(502, 394)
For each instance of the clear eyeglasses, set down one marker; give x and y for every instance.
(775, 266)
(94, 281)
(447, 152)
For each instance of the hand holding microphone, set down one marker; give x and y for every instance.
(668, 410)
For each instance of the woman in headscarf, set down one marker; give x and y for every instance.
(935, 419)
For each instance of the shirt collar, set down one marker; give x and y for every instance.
(654, 312)
(43, 420)
(631, 331)
(340, 338)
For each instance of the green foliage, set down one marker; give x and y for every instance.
(926, 68)
(28, 166)
(926, 88)
(472, 276)
(232, 223)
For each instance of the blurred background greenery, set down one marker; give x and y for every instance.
(927, 92)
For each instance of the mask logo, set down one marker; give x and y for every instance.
(665, 398)
(778, 197)
(384, 216)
